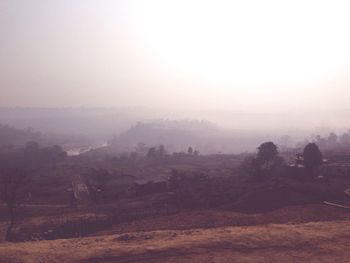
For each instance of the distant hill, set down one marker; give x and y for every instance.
(154, 127)
(13, 136)
(95, 123)
(10, 135)
(178, 135)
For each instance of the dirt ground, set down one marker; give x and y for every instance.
(307, 242)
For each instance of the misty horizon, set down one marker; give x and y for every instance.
(98, 68)
(237, 120)
(222, 56)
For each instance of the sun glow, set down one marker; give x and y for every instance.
(247, 54)
(246, 42)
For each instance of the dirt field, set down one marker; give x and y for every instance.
(308, 242)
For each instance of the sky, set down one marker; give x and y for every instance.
(261, 56)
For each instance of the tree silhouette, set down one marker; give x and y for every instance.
(190, 150)
(152, 153)
(332, 139)
(267, 153)
(312, 156)
(161, 151)
(15, 167)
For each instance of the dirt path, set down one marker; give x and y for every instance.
(310, 242)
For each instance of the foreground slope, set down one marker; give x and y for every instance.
(312, 242)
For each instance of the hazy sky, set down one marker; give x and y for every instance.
(261, 55)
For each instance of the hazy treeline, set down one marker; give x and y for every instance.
(178, 135)
(332, 141)
(125, 128)
(13, 136)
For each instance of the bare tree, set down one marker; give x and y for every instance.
(13, 174)
(16, 168)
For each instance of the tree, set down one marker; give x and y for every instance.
(16, 167)
(312, 156)
(345, 138)
(190, 150)
(156, 152)
(321, 141)
(332, 139)
(14, 171)
(152, 153)
(267, 153)
(161, 151)
(141, 149)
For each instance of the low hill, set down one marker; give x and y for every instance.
(178, 135)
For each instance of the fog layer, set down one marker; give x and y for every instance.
(286, 63)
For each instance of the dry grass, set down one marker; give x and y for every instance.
(219, 218)
(311, 242)
(63, 226)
